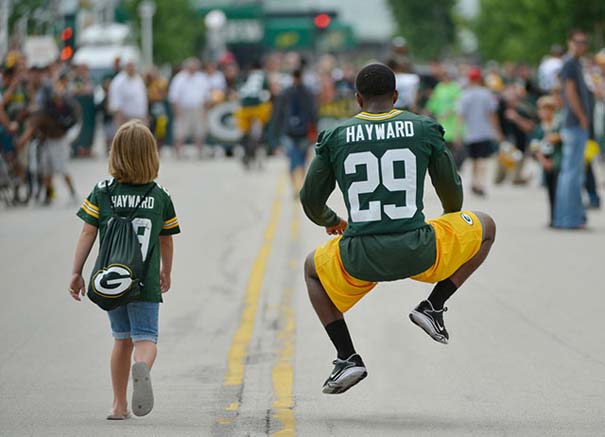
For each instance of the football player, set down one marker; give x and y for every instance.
(380, 158)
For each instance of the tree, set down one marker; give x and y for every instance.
(524, 30)
(178, 29)
(32, 10)
(427, 25)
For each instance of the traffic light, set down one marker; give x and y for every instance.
(68, 39)
(322, 21)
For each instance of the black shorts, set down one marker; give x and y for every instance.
(480, 149)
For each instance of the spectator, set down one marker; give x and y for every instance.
(157, 92)
(477, 107)
(407, 84)
(590, 181)
(548, 71)
(569, 210)
(216, 79)
(128, 96)
(82, 89)
(188, 94)
(442, 104)
(296, 117)
(599, 110)
(56, 112)
(546, 147)
(254, 112)
(516, 119)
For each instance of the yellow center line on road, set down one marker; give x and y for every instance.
(234, 376)
(283, 371)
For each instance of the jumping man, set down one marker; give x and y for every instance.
(380, 158)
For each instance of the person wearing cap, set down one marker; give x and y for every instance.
(477, 108)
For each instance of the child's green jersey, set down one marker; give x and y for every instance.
(539, 143)
(380, 163)
(154, 218)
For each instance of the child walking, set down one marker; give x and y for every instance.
(134, 165)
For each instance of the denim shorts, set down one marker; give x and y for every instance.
(137, 320)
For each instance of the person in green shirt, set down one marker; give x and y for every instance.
(379, 159)
(442, 104)
(134, 164)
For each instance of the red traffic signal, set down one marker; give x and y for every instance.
(67, 33)
(66, 53)
(322, 21)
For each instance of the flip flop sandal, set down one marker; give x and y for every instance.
(118, 416)
(142, 393)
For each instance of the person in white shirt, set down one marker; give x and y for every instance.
(548, 71)
(407, 84)
(189, 94)
(216, 79)
(128, 96)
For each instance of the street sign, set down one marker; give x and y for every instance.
(40, 51)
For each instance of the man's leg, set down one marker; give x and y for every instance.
(428, 315)
(179, 134)
(349, 368)
(327, 312)
(195, 122)
(569, 210)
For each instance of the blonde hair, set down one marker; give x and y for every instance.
(134, 158)
(547, 102)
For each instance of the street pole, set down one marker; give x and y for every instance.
(4, 13)
(146, 11)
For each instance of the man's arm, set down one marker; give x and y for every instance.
(319, 184)
(493, 118)
(442, 170)
(446, 181)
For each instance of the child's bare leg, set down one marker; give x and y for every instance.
(145, 351)
(120, 371)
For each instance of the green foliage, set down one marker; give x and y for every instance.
(178, 30)
(524, 30)
(427, 25)
(22, 8)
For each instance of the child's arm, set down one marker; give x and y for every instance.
(166, 253)
(85, 243)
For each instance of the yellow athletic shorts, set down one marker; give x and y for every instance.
(458, 237)
(245, 115)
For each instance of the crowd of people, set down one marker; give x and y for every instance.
(511, 111)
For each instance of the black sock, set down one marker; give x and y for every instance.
(442, 292)
(339, 334)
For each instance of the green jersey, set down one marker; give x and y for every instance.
(155, 218)
(380, 163)
(255, 90)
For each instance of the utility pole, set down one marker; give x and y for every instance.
(4, 14)
(146, 11)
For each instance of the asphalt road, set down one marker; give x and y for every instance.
(241, 352)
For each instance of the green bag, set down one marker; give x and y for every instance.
(117, 277)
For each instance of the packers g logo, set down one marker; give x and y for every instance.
(113, 282)
(467, 218)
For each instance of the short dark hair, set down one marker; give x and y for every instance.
(575, 31)
(375, 80)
